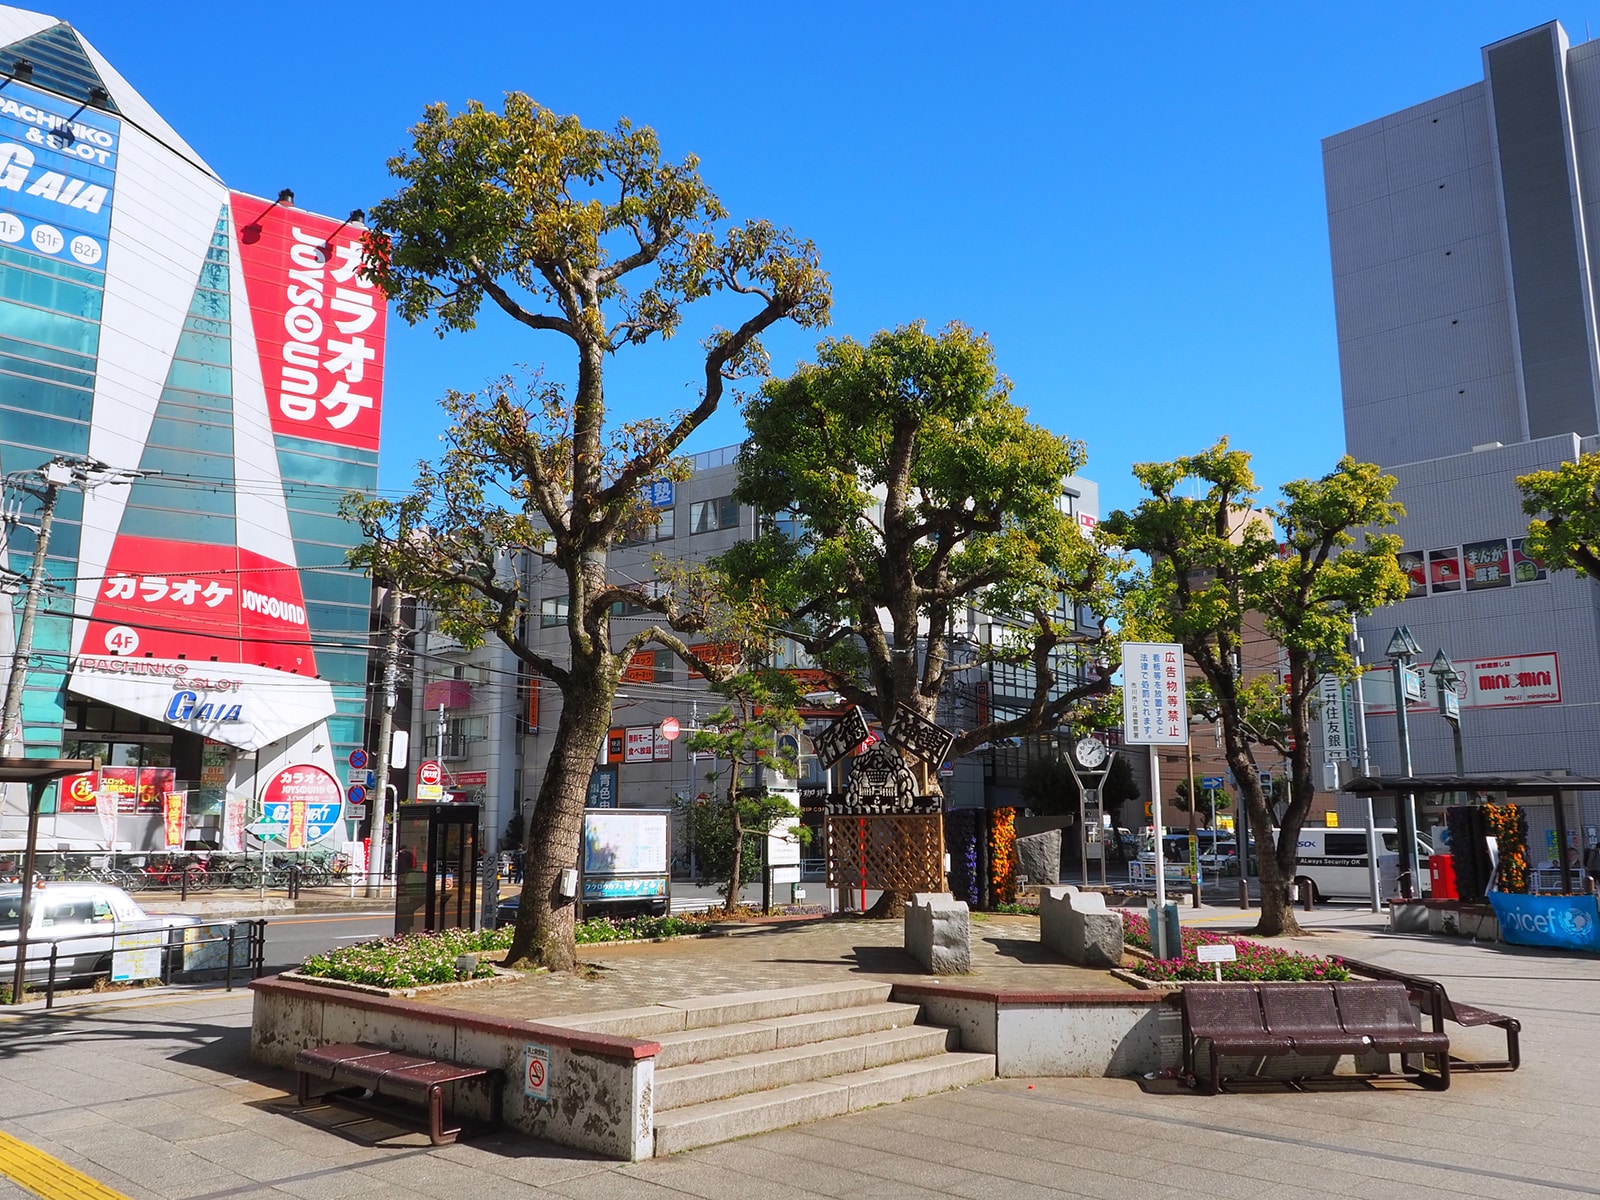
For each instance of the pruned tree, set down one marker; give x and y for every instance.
(910, 488)
(742, 738)
(592, 238)
(1213, 558)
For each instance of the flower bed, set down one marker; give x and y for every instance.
(415, 960)
(632, 929)
(1256, 963)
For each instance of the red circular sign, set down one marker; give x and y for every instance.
(81, 790)
(430, 774)
(306, 783)
(670, 728)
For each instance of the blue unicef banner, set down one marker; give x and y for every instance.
(1566, 922)
(58, 167)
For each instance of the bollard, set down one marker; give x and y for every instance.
(1244, 894)
(1306, 894)
(1194, 895)
(50, 984)
(183, 882)
(232, 929)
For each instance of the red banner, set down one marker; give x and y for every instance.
(136, 790)
(172, 819)
(173, 600)
(319, 322)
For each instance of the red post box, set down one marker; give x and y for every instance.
(1442, 873)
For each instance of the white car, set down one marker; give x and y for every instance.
(83, 920)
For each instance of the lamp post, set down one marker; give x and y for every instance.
(1402, 649)
(1444, 671)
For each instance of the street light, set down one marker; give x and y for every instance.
(1402, 649)
(1444, 671)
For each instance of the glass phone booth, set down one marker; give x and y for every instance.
(436, 867)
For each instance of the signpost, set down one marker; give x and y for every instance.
(301, 804)
(1155, 712)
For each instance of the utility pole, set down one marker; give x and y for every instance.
(58, 473)
(390, 621)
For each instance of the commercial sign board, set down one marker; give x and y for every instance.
(1567, 922)
(642, 744)
(626, 842)
(133, 789)
(602, 788)
(293, 790)
(1503, 682)
(319, 322)
(58, 168)
(1155, 708)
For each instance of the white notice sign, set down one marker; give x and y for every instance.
(1155, 709)
(1219, 953)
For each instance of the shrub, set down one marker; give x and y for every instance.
(412, 960)
(624, 929)
(1256, 963)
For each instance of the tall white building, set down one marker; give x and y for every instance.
(1464, 233)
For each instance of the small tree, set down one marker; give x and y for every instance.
(1049, 789)
(743, 739)
(1213, 559)
(1211, 800)
(1565, 507)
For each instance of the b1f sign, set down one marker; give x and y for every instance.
(1155, 708)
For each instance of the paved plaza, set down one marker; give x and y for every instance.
(154, 1096)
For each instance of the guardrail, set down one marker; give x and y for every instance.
(184, 950)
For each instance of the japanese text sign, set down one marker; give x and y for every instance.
(1155, 709)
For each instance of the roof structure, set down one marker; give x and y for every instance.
(1511, 785)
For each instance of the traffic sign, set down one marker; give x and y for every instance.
(1211, 781)
(430, 780)
(358, 759)
(670, 728)
(356, 795)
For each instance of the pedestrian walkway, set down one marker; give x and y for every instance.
(155, 1097)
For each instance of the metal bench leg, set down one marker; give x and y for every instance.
(437, 1133)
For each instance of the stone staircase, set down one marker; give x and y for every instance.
(748, 1062)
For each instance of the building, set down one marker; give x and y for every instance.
(1464, 233)
(222, 351)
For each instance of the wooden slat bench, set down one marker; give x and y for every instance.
(1430, 996)
(1272, 1020)
(389, 1073)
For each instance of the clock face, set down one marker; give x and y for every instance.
(1090, 753)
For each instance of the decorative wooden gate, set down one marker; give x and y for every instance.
(902, 853)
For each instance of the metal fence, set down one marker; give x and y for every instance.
(224, 950)
(194, 872)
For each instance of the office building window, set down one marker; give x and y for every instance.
(707, 515)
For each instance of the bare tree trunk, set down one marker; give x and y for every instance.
(730, 901)
(545, 932)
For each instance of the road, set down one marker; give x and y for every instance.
(291, 939)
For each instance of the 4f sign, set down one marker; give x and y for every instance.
(535, 1071)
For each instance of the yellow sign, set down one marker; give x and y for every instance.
(296, 839)
(1332, 818)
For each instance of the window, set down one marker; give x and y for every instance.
(708, 515)
(552, 612)
(1345, 845)
(661, 531)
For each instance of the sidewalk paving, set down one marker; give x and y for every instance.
(155, 1096)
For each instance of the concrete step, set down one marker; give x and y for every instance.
(776, 1033)
(702, 1012)
(697, 1083)
(740, 1116)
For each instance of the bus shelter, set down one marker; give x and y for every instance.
(1404, 788)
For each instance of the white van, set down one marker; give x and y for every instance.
(1334, 862)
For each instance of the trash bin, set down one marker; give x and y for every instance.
(1442, 876)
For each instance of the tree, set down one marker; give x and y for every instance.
(1211, 802)
(1213, 559)
(593, 237)
(1565, 507)
(1049, 789)
(742, 738)
(910, 488)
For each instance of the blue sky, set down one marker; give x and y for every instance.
(1127, 199)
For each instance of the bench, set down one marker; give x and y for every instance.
(388, 1073)
(1272, 1020)
(1429, 995)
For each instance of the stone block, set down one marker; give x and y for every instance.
(1039, 857)
(1078, 926)
(938, 933)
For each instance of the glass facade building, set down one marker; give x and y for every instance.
(209, 364)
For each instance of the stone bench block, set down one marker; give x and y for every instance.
(1078, 926)
(938, 933)
(1039, 857)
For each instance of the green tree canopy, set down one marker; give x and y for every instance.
(1214, 557)
(592, 237)
(910, 488)
(1565, 507)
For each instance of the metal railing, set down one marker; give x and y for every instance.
(243, 942)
